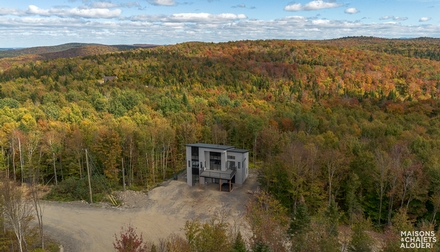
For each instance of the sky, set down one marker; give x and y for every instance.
(28, 23)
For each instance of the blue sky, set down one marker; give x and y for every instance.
(26, 23)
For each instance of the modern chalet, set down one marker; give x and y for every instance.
(220, 164)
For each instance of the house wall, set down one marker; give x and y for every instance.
(242, 172)
(223, 161)
(188, 166)
(246, 162)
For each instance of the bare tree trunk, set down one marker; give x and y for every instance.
(32, 145)
(54, 168)
(39, 169)
(80, 168)
(17, 212)
(435, 200)
(123, 172)
(38, 211)
(331, 173)
(131, 166)
(164, 168)
(255, 150)
(13, 163)
(4, 165)
(21, 160)
(391, 200)
(152, 166)
(8, 172)
(61, 168)
(146, 169)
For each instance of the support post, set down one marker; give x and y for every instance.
(88, 176)
(123, 173)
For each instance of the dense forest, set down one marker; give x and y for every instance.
(10, 57)
(348, 127)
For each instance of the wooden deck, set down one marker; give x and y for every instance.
(221, 175)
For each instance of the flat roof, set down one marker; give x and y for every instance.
(211, 146)
(239, 150)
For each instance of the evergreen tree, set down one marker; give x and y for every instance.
(299, 226)
(260, 247)
(300, 219)
(238, 245)
(153, 248)
(360, 240)
(333, 217)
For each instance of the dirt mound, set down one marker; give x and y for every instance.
(131, 199)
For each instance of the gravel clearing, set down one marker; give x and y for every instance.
(79, 226)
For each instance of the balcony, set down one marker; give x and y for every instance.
(228, 174)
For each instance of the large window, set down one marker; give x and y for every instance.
(195, 153)
(195, 164)
(215, 155)
(215, 160)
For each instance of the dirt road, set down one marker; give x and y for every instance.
(83, 227)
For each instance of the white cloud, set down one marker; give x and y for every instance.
(394, 18)
(10, 11)
(94, 13)
(37, 11)
(320, 22)
(424, 19)
(351, 11)
(400, 18)
(189, 18)
(149, 18)
(130, 4)
(204, 17)
(75, 12)
(294, 7)
(313, 5)
(162, 2)
(103, 5)
(61, 25)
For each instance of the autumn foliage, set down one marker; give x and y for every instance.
(350, 123)
(129, 241)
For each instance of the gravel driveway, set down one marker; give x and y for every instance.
(79, 226)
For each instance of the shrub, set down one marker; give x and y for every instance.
(78, 189)
(129, 241)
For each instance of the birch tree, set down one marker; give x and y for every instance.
(17, 211)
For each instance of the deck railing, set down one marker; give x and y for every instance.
(228, 174)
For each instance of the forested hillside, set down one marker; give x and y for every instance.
(349, 125)
(26, 55)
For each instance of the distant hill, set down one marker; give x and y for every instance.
(420, 48)
(9, 56)
(42, 50)
(8, 49)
